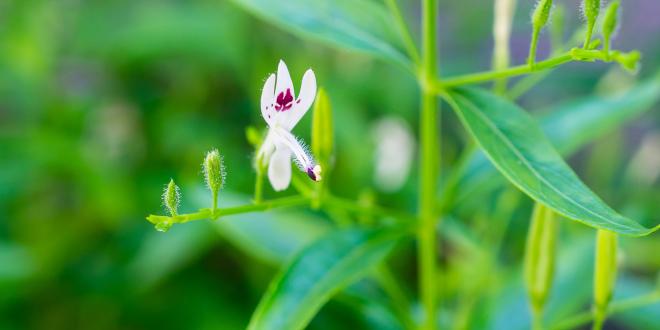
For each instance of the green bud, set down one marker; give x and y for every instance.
(610, 24)
(540, 17)
(590, 11)
(171, 197)
(540, 251)
(541, 14)
(322, 128)
(604, 270)
(214, 173)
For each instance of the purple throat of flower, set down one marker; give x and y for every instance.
(284, 102)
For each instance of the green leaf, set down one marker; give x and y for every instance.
(360, 25)
(519, 149)
(569, 127)
(317, 273)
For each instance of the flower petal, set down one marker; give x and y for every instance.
(267, 100)
(304, 159)
(279, 168)
(267, 148)
(289, 119)
(283, 81)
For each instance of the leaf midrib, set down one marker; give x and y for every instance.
(521, 157)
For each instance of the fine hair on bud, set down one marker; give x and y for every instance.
(611, 20)
(590, 9)
(171, 197)
(541, 14)
(214, 171)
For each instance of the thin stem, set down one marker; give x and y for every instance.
(404, 32)
(210, 214)
(258, 185)
(347, 204)
(510, 72)
(215, 202)
(583, 318)
(532, 48)
(429, 151)
(504, 10)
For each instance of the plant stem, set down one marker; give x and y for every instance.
(400, 302)
(258, 185)
(497, 74)
(583, 318)
(429, 122)
(403, 30)
(504, 10)
(210, 214)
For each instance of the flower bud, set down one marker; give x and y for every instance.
(629, 61)
(540, 251)
(214, 173)
(254, 137)
(322, 128)
(610, 24)
(590, 11)
(604, 269)
(541, 14)
(557, 28)
(171, 197)
(539, 19)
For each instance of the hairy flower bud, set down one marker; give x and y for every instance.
(540, 17)
(541, 14)
(171, 197)
(610, 24)
(590, 11)
(540, 253)
(214, 173)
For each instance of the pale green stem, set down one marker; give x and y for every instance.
(581, 319)
(403, 30)
(532, 48)
(429, 151)
(258, 186)
(211, 214)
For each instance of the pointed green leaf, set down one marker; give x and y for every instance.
(519, 149)
(569, 127)
(317, 273)
(360, 25)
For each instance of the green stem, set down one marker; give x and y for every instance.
(210, 214)
(341, 203)
(583, 318)
(429, 151)
(403, 30)
(473, 78)
(532, 48)
(259, 185)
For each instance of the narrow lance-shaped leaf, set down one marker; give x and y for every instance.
(569, 127)
(358, 25)
(317, 273)
(517, 147)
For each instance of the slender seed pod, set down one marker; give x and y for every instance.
(604, 274)
(171, 197)
(540, 251)
(214, 173)
(610, 24)
(590, 11)
(322, 128)
(322, 138)
(540, 17)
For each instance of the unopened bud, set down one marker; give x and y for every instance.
(590, 11)
(541, 14)
(171, 197)
(540, 251)
(214, 171)
(610, 24)
(604, 269)
(254, 137)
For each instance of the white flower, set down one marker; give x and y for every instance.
(282, 111)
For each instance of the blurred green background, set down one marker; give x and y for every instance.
(101, 102)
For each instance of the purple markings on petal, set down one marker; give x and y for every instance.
(284, 101)
(311, 174)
